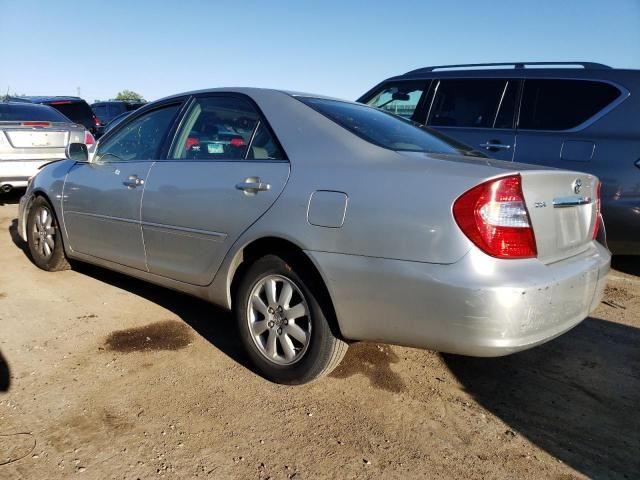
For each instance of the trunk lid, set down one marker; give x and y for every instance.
(562, 207)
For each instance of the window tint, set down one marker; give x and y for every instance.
(400, 98)
(562, 104)
(466, 103)
(10, 112)
(221, 128)
(115, 109)
(384, 129)
(78, 112)
(100, 111)
(141, 139)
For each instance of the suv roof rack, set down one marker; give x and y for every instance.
(515, 65)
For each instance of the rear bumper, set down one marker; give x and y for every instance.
(479, 306)
(18, 172)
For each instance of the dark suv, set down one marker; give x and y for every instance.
(74, 108)
(576, 116)
(106, 111)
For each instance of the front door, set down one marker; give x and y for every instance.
(223, 172)
(478, 112)
(101, 201)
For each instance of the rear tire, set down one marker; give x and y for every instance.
(283, 323)
(44, 237)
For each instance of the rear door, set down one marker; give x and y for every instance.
(554, 118)
(224, 170)
(101, 201)
(478, 112)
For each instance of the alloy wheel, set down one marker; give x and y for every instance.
(279, 320)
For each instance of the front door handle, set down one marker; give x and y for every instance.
(133, 182)
(253, 185)
(495, 145)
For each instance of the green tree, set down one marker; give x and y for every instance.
(128, 95)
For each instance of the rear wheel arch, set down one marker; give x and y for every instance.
(290, 253)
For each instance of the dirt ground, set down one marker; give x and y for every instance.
(102, 376)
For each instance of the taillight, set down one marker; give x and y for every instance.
(596, 229)
(96, 121)
(36, 124)
(237, 142)
(88, 138)
(494, 217)
(191, 141)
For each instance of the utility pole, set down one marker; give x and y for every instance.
(78, 90)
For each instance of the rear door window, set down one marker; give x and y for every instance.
(473, 103)
(222, 127)
(399, 98)
(550, 104)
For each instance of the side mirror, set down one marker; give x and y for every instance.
(77, 152)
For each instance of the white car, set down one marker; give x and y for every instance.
(30, 136)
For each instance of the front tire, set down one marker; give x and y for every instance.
(44, 237)
(283, 323)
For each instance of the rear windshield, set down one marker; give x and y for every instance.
(11, 112)
(79, 112)
(385, 129)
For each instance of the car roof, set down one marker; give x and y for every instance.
(519, 70)
(19, 104)
(55, 98)
(254, 92)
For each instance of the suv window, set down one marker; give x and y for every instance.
(78, 112)
(471, 103)
(400, 98)
(140, 139)
(100, 111)
(224, 128)
(384, 129)
(562, 104)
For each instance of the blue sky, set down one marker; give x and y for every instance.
(339, 48)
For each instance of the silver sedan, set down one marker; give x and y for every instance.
(321, 222)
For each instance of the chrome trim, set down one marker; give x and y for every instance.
(572, 201)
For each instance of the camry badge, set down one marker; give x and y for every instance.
(577, 185)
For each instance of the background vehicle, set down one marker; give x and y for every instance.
(106, 112)
(114, 121)
(320, 221)
(74, 108)
(566, 115)
(31, 135)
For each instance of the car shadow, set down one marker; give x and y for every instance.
(214, 324)
(576, 397)
(15, 238)
(629, 264)
(5, 375)
(12, 197)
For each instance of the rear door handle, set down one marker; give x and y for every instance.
(133, 182)
(253, 185)
(495, 146)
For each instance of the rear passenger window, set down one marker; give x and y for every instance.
(224, 128)
(471, 103)
(563, 104)
(400, 98)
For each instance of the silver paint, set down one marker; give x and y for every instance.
(398, 270)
